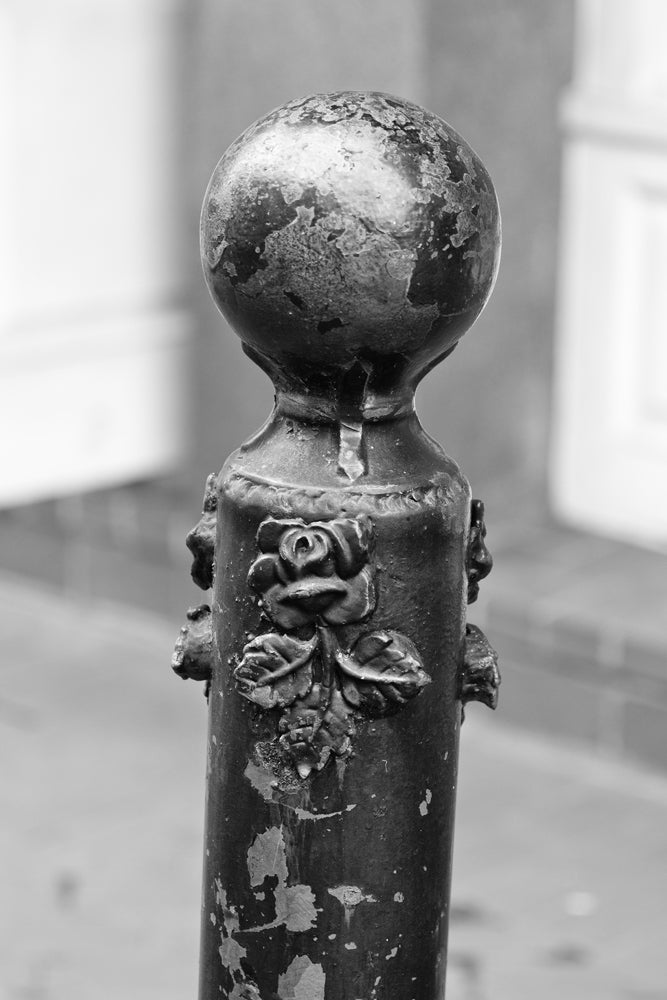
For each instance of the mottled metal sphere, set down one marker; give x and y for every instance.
(350, 226)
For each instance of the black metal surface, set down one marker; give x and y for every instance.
(350, 239)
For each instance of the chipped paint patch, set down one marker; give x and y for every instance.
(266, 856)
(302, 980)
(398, 897)
(264, 781)
(423, 806)
(261, 780)
(393, 953)
(230, 951)
(350, 896)
(245, 991)
(295, 907)
(294, 904)
(304, 814)
(351, 946)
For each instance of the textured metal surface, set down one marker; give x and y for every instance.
(351, 226)
(350, 239)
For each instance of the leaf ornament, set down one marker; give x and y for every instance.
(382, 673)
(276, 670)
(480, 677)
(311, 735)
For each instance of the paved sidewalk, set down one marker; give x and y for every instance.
(560, 873)
(560, 885)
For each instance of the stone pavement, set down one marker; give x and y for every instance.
(560, 884)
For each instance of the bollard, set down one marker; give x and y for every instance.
(350, 239)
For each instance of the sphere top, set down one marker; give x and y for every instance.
(350, 227)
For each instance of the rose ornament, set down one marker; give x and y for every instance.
(314, 572)
(314, 578)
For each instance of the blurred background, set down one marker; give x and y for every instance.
(121, 389)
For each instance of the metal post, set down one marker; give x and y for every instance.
(350, 239)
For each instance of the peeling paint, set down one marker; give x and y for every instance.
(302, 980)
(304, 814)
(245, 991)
(423, 806)
(261, 780)
(424, 232)
(230, 951)
(264, 781)
(294, 904)
(349, 896)
(266, 856)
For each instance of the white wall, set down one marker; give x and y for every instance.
(92, 327)
(609, 460)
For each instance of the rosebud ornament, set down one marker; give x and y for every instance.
(350, 240)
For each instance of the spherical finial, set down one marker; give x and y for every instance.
(350, 227)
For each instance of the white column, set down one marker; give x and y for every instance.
(92, 328)
(609, 458)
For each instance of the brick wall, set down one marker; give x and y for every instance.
(579, 623)
(125, 545)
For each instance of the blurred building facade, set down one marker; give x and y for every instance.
(137, 389)
(609, 461)
(93, 329)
